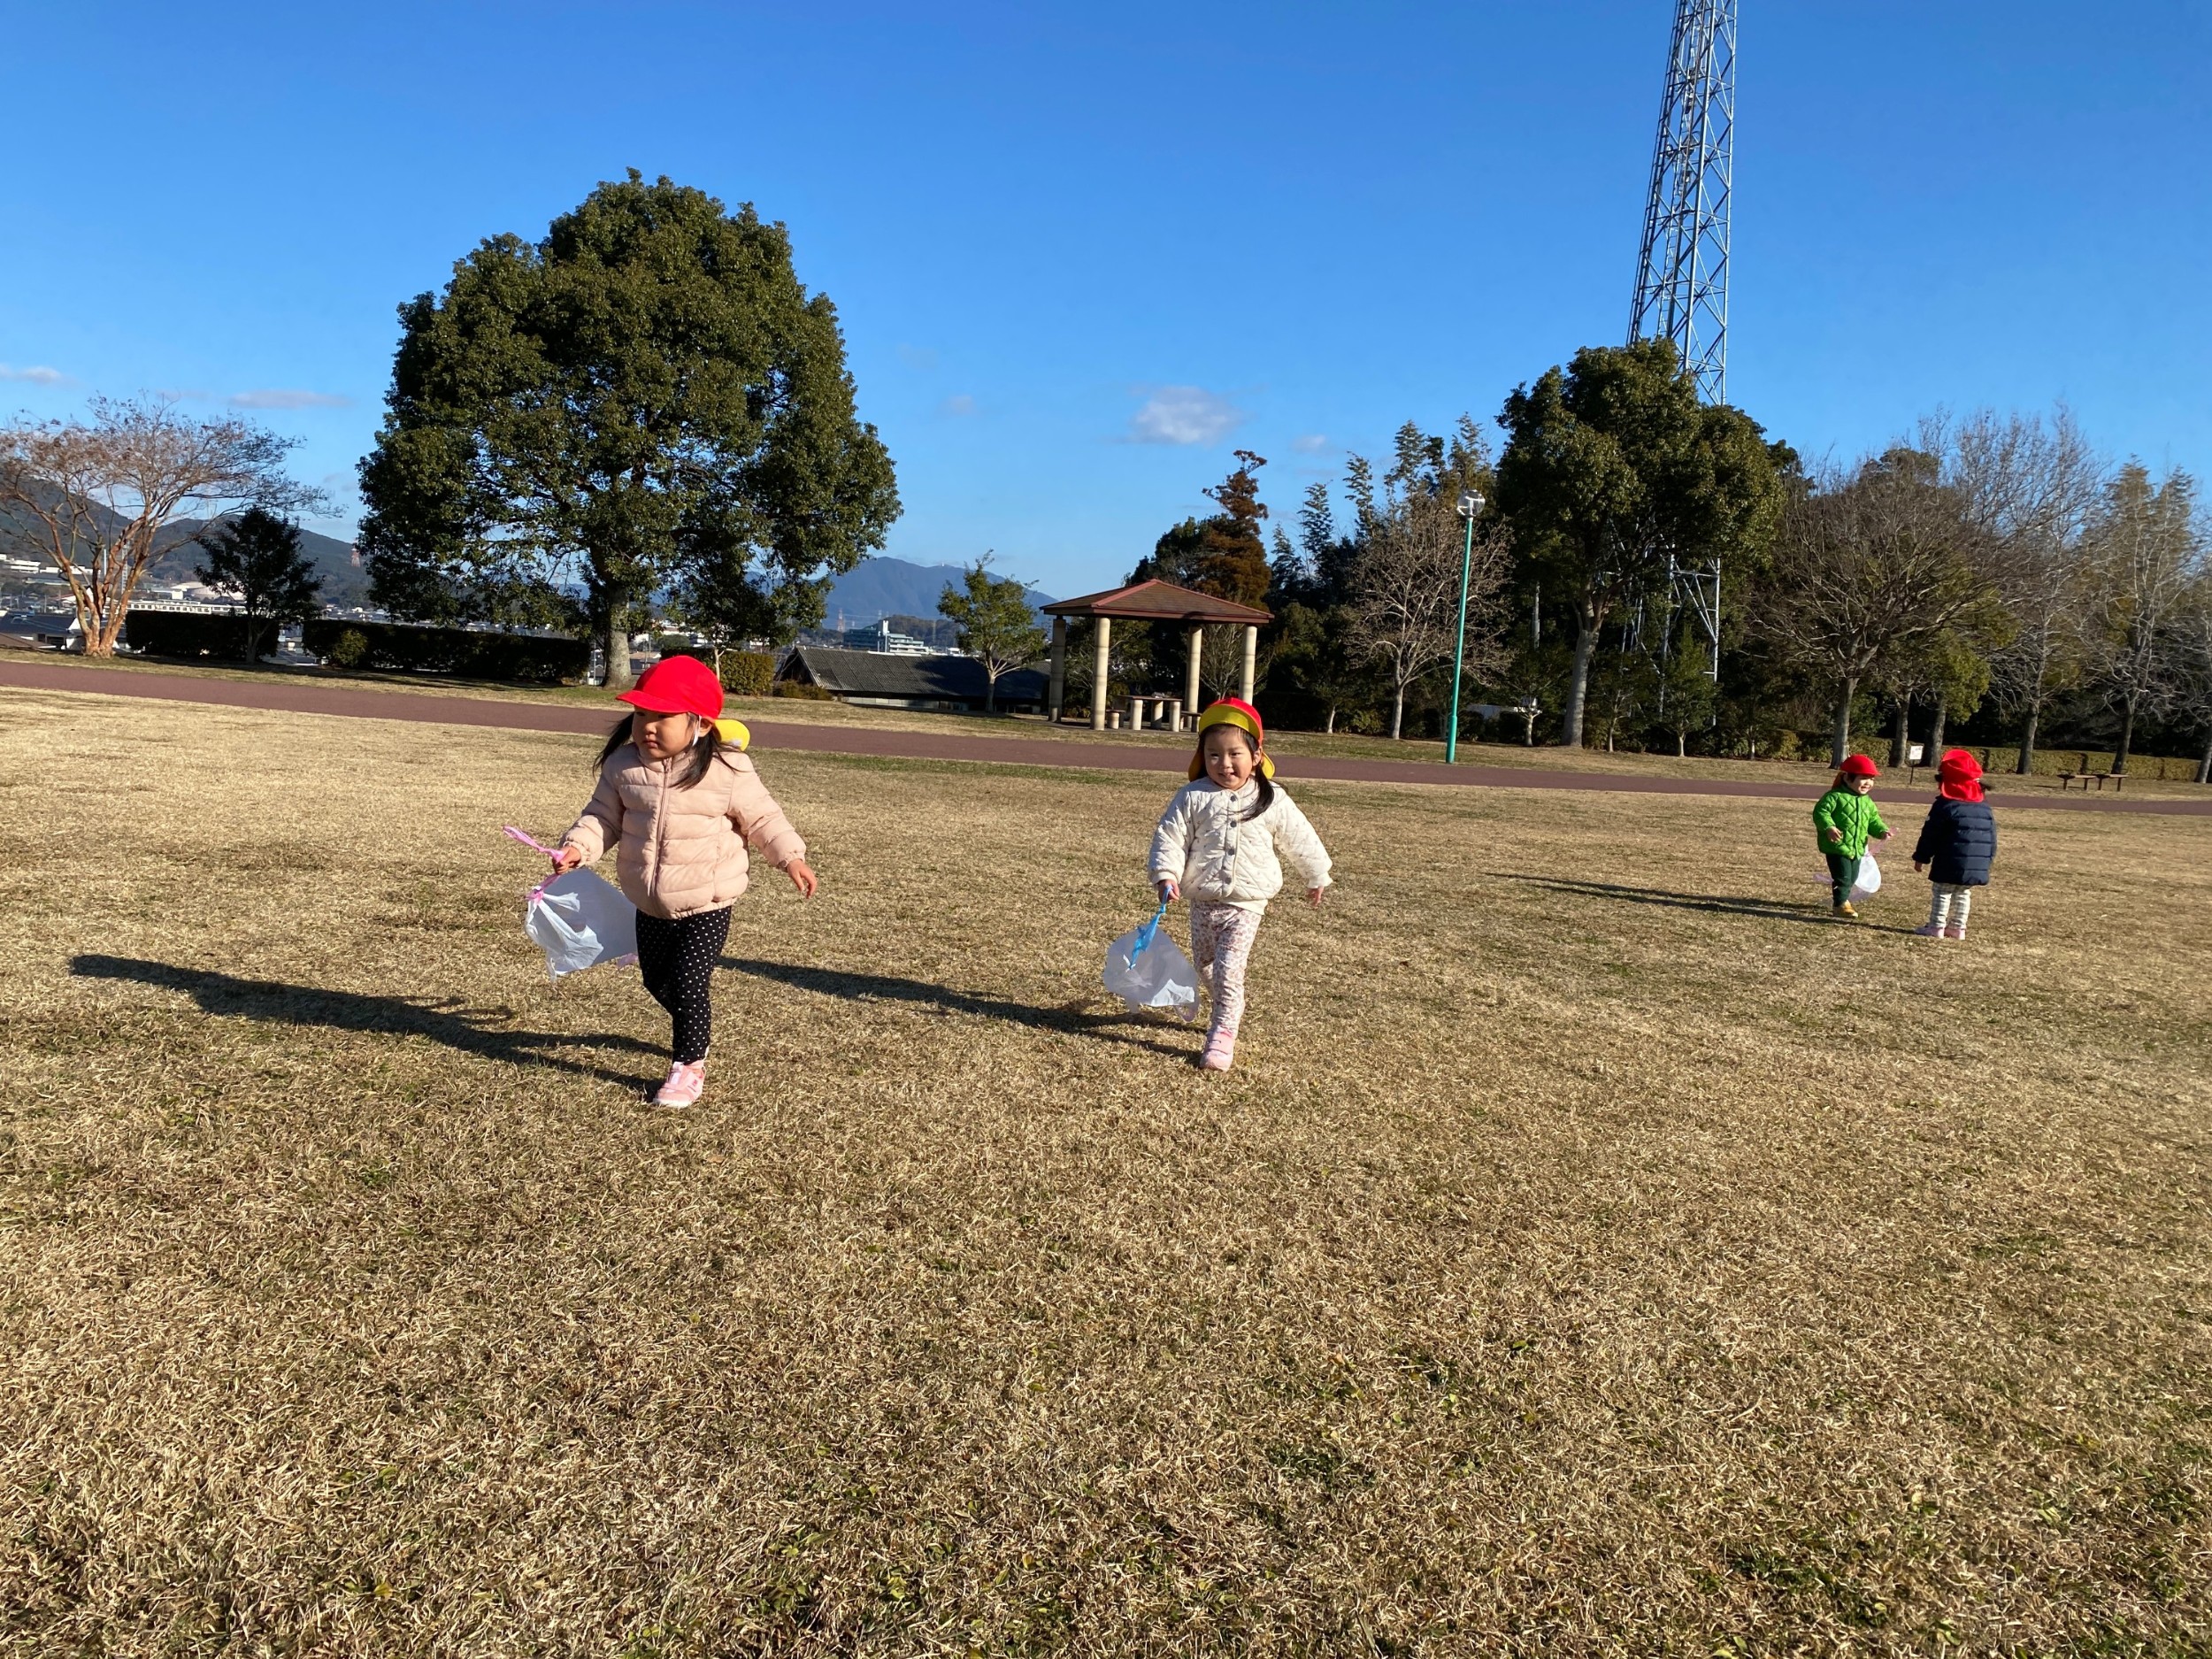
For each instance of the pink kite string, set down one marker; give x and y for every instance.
(538, 892)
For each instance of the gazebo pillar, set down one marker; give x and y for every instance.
(1099, 673)
(1057, 693)
(1251, 660)
(1190, 676)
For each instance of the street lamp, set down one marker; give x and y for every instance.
(1470, 504)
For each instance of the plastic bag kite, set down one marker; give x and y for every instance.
(578, 920)
(1146, 968)
(1869, 882)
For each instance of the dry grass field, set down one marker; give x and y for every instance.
(1596, 1252)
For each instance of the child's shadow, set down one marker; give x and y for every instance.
(444, 1020)
(1768, 909)
(854, 988)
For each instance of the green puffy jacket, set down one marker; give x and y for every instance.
(1853, 815)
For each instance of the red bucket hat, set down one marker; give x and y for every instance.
(1959, 776)
(677, 685)
(1859, 766)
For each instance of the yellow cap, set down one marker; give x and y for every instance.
(732, 732)
(1231, 711)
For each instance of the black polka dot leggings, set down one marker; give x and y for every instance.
(676, 960)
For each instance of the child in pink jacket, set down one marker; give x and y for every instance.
(680, 802)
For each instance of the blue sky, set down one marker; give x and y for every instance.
(1082, 253)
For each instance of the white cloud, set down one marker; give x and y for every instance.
(38, 374)
(958, 403)
(1185, 414)
(284, 398)
(1312, 443)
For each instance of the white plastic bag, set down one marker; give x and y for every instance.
(1146, 968)
(1870, 881)
(579, 921)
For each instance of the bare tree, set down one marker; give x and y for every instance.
(100, 493)
(1405, 590)
(2147, 555)
(1871, 564)
(2033, 489)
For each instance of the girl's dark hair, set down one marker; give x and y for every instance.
(1267, 795)
(690, 769)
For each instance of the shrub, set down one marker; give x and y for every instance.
(189, 633)
(748, 673)
(349, 650)
(540, 659)
(1781, 743)
(799, 690)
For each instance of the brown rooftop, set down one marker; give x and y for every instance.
(1160, 601)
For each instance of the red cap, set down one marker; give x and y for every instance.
(1226, 711)
(1959, 775)
(677, 685)
(1859, 766)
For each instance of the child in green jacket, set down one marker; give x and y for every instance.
(1844, 821)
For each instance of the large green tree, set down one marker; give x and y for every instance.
(1611, 465)
(647, 398)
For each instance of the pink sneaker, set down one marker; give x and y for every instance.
(1956, 930)
(685, 1085)
(1221, 1049)
(1928, 930)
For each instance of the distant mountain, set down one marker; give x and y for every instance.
(880, 588)
(343, 582)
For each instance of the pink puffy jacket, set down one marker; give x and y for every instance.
(678, 851)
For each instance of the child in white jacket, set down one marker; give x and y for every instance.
(1218, 845)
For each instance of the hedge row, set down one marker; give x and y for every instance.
(534, 659)
(191, 634)
(748, 673)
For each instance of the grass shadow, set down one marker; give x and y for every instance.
(446, 1020)
(1767, 910)
(854, 987)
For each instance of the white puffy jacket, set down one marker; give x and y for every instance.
(1213, 846)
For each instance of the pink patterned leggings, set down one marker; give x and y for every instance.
(1221, 938)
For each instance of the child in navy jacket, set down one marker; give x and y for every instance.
(1956, 845)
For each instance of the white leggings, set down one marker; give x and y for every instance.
(1949, 905)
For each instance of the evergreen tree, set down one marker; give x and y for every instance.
(996, 624)
(1231, 555)
(256, 556)
(645, 393)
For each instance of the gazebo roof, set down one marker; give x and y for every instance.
(1160, 601)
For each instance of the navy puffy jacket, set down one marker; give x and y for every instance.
(1957, 842)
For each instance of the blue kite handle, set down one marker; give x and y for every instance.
(1146, 934)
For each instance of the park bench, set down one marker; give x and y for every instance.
(2083, 776)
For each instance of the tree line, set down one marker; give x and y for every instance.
(1649, 571)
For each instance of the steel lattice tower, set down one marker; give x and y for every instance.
(1682, 275)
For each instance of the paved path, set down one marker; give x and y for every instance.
(307, 696)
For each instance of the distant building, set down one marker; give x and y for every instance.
(879, 679)
(881, 639)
